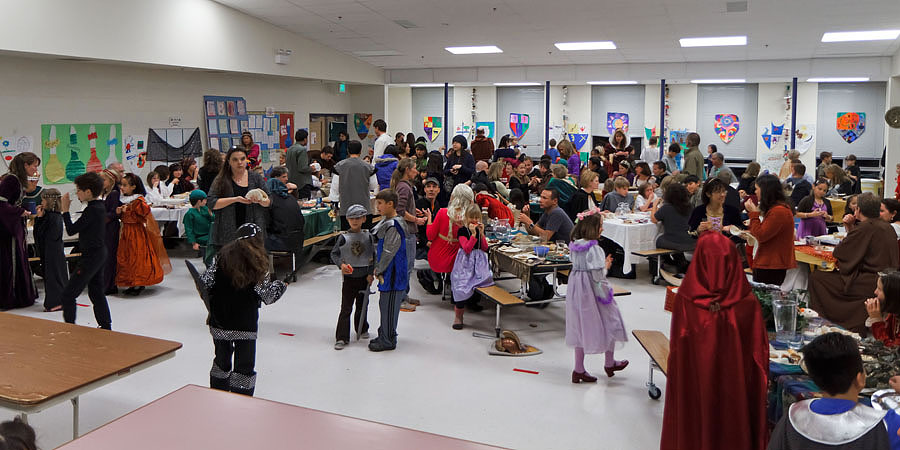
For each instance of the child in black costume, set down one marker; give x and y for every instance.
(238, 283)
(48, 238)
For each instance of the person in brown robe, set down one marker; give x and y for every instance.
(869, 248)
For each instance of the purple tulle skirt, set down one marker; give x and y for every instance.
(470, 271)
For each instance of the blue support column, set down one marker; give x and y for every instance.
(793, 112)
(447, 123)
(662, 118)
(546, 116)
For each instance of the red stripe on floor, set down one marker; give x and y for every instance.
(525, 371)
(80, 304)
(286, 334)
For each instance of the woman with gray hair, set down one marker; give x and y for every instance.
(442, 230)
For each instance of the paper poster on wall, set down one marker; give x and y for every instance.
(10, 146)
(210, 108)
(851, 125)
(362, 122)
(804, 137)
(615, 121)
(518, 124)
(433, 126)
(649, 132)
(463, 130)
(773, 136)
(80, 151)
(488, 128)
(727, 126)
(577, 135)
(679, 136)
(133, 155)
(771, 162)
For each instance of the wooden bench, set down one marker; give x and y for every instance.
(656, 345)
(656, 252)
(617, 291)
(314, 244)
(502, 298)
(69, 257)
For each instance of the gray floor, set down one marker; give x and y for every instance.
(438, 380)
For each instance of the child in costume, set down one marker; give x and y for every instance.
(48, 238)
(16, 286)
(471, 269)
(90, 228)
(142, 259)
(593, 321)
(837, 420)
(110, 197)
(354, 254)
(237, 282)
(198, 220)
(390, 269)
(884, 308)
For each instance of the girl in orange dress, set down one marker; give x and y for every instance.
(141, 256)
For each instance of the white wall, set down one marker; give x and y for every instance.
(682, 107)
(399, 110)
(772, 109)
(47, 91)
(651, 107)
(364, 99)
(892, 138)
(182, 33)
(578, 110)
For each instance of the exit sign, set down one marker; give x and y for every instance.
(342, 88)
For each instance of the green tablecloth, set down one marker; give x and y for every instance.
(317, 222)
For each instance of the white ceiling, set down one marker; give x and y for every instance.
(644, 30)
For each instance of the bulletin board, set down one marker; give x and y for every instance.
(272, 131)
(226, 117)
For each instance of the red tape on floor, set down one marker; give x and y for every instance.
(526, 371)
(286, 334)
(81, 304)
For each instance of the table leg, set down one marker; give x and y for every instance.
(75, 418)
(497, 322)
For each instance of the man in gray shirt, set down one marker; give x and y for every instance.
(554, 224)
(353, 181)
(718, 166)
(297, 161)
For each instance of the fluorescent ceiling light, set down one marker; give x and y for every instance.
(713, 41)
(474, 50)
(846, 36)
(376, 53)
(837, 79)
(720, 81)
(518, 84)
(600, 45)
(610, 83)
(428, 85)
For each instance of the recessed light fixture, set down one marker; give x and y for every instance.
(847, 36)
(599, 45)
(713, 41)
(524, 83)
(720, 81)
(474, 50)
(837, 79)
(428, 85)
(611, 83)
(375, 53)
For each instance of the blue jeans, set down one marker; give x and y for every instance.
(389, 306)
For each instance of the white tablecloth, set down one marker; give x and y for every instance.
(171, 215)
(632, 237)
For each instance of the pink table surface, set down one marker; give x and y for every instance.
(195, 417)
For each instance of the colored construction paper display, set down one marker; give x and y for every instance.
(679, 136)
(463, 130)
(518, 124)
(649, 132)
(226, 118)
(173, 144)
(727, 126)
(804, 137)
(10, 146)
(851, 125)
(773, 136)
(488, 128)
(615, 120)
(133, 155)
(577, 136)
(433, 126)
(81, 149)
(271, 131)
(363, 123)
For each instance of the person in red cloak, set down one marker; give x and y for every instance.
(718, 358)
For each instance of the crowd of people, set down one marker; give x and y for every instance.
(398, 202)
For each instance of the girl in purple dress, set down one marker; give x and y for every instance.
(593, 321)
(471, 269)
(814, 211)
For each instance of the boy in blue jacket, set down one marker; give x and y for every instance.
(390, 270)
